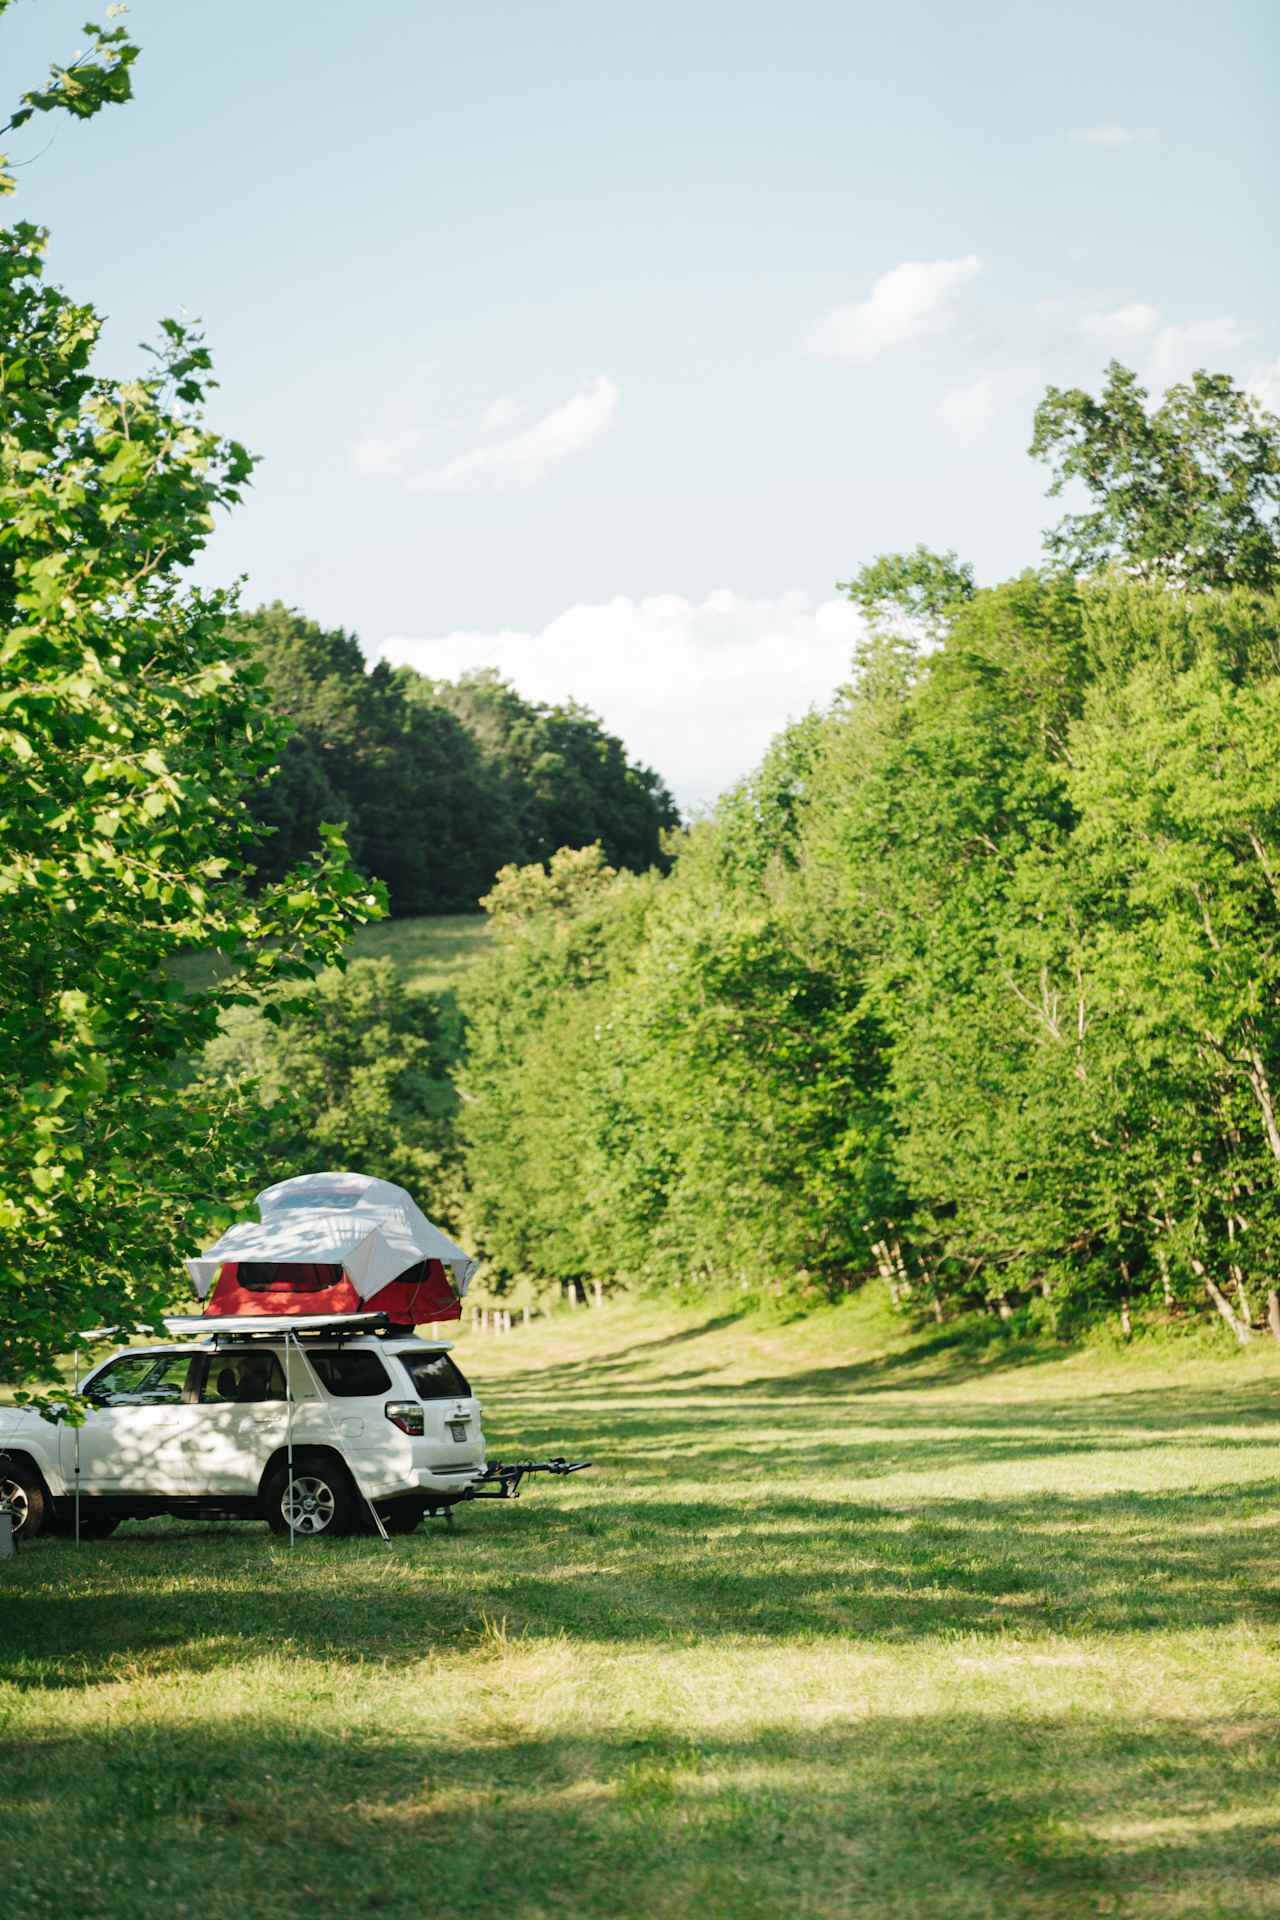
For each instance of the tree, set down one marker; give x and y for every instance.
(569, 780)
(1186, 493)
(131, 726)
(921, 588)
(439, 785)
(404, 774)
(353, 1072)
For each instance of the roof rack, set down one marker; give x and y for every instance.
(270, 1326)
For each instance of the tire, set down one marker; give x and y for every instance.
(319, 1501)
(402, 1516)
(23, 1497)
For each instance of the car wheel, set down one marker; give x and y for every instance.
(318, 1498)
(23, 1498)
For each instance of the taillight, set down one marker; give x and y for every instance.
(407, 1415)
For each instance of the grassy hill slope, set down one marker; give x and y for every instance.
(845, 1622)
(430, 951)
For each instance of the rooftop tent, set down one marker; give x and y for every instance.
(335, 1243)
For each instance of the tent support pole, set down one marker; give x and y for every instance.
(292, 1339)
(77, 1498)
(288, 1432)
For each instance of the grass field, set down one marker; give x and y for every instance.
(431, 952)
(842, 1624)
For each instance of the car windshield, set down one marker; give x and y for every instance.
(435, 1377)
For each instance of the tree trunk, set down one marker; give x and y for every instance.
(884, 1267)
(1239, 1327)
(1126, 1324)
(1273, 1313)
(1262, 1093)
(1237, 1271)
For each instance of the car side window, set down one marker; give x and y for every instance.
(242, 1379)
(141, 1380)
(350, 1373)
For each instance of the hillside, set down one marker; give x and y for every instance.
(843, 1621)
(430, 950)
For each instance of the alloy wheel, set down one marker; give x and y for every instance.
(14, 1501)
(308, 1504)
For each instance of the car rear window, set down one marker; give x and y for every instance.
(350, 1373)
(435, 1377)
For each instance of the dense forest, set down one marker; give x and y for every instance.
(437, 784)
(973, 984)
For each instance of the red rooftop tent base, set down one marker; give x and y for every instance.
(335, 1243)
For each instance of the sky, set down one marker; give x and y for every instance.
(599, 342)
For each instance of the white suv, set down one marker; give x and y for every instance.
(210, 1429)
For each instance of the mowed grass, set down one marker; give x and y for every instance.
(842, 1624)
(431, 952)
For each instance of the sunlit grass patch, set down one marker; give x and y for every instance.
(818, 1637)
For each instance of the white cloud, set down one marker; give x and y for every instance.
(1265, 387)
(1122, 323)
(967, 409)
(525, 457)
(910, 300)
(1115, 136)
(1169, 351)
(502, 413)
(386, 453)
(1178, 350)
(695, 688)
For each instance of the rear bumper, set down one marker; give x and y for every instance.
(441, 1479)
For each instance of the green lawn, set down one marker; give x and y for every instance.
(842, 1625)
(431, 952)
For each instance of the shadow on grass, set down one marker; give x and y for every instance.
(977, 1348)
(962, 1814)
(673, 1431)
(791, 1570)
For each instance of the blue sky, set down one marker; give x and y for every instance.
(598, 342)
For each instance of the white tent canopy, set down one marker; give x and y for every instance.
(369, 1227)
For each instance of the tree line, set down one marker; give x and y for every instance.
(975, 983)
(436, 784)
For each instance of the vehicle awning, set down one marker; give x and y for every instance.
(370, 1228)
(197, 1325)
